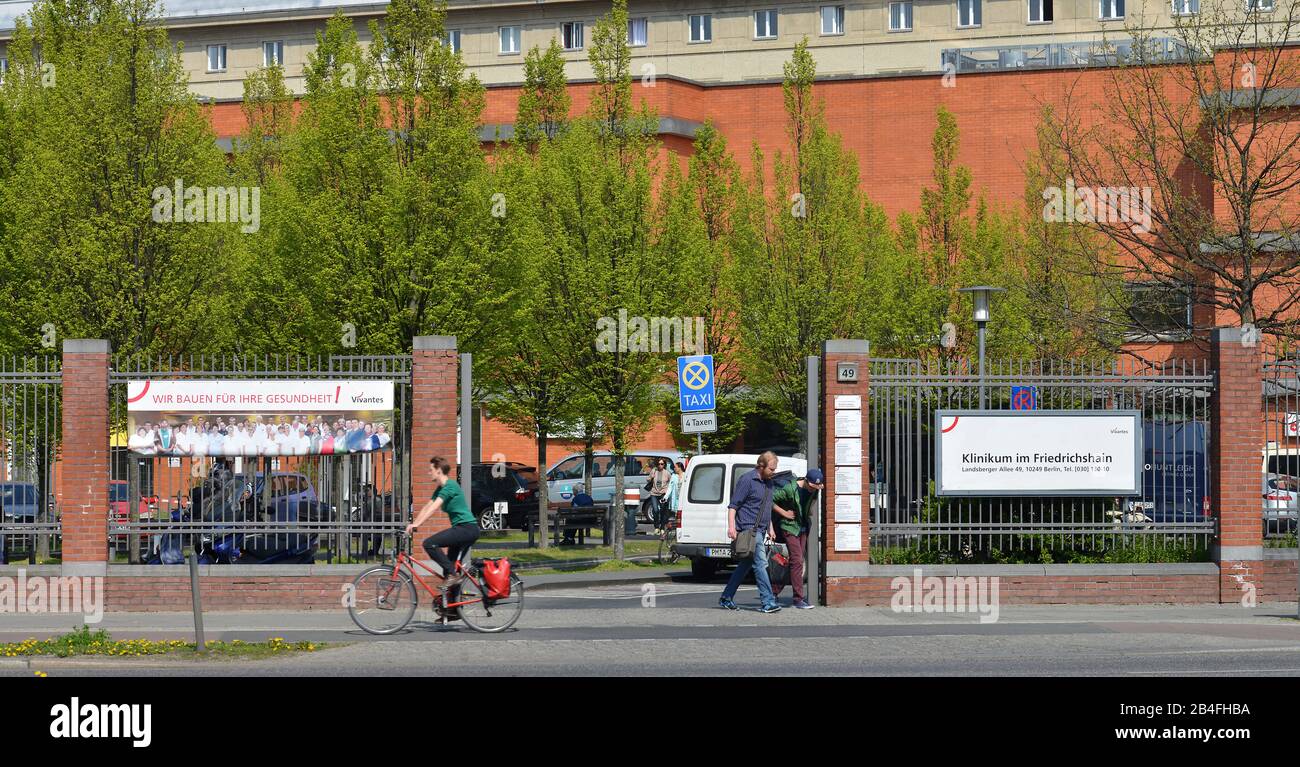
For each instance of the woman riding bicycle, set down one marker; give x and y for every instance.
(464, 530)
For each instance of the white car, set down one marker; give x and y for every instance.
(710, 480)
(1281, 503)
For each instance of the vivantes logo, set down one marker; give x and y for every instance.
(103, 720)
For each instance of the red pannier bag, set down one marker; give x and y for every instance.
(496, 574)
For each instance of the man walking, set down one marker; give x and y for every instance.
(791, 504)
(751, 509)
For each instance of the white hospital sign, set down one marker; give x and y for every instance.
(1038, 452)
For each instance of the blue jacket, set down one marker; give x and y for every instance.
(752, 501)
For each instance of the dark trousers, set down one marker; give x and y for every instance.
(456, 539)
(796, 545)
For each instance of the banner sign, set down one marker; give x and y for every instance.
(259, 418)
(1038, 452)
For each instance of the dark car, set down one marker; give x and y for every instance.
(512, 483)
(1174, 473)
(18, 505)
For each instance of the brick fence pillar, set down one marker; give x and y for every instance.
(85, 456)
(434, 366)
(845, 404)
(1236, 445)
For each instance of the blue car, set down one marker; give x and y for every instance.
(1175, 473)
(18, 505)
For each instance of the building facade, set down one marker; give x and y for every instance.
(695, 40)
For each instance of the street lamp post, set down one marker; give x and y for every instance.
(981, 294)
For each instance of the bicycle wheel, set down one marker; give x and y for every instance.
(382, 603)
(490, 615)
(669, 547)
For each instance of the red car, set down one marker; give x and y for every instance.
(118, 505)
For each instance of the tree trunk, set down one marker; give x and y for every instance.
(543, 497)
(620, 466)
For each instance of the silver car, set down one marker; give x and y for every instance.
(568, 473)
(1281, 503)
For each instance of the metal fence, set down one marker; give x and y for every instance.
(1174, 399)
(30, 426)
(335, 508)
(1280, 461)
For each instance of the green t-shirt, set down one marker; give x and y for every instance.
(789, 497)
(453, 503)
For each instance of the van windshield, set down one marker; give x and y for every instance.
(17, 495)
(1284, 464)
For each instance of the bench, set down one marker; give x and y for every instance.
(567, 519)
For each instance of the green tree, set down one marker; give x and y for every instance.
(803, 262)
(544, 100)
(108, 130)
(597, 214)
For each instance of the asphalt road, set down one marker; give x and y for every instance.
(621, 630)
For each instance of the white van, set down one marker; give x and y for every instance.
(710, 480)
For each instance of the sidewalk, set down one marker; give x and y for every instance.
(555, 610)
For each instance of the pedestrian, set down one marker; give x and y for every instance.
(676, 483)
(750, 511)
(659, 480)
(791, 505)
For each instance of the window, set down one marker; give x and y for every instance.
(637, 32)
(453, 40)
(1158, 309)
(1112, 9)
(509, 39)
(1187, 7)
(900, 16)
(1259, 5)
(701, 28)
(567, 469)
(1040, 11)
(571, 35)
(273, 53)
(832, 19)
(706, 484)
(4, 67)
(216, 58)
(969, 13)
(765, 25)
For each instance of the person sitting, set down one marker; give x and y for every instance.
(581, 500)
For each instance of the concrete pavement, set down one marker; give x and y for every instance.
(676, 628)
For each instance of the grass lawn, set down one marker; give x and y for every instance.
(85, 642)
(560, 554)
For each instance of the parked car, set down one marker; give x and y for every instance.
(1281, 503)
(18, 505)
(119, 499)
(512, 483)
(18, 501)
(567, 473)
(1174, 472)
(710, 480)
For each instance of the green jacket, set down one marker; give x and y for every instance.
(789, 498)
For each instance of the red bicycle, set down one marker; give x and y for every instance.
(383, 598)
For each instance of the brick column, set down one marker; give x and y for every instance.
(85, 457)
(434, 366)
(833, 353)
(1236, 445)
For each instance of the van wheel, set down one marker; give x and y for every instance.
(703, 569)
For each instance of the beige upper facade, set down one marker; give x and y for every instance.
(736, 44)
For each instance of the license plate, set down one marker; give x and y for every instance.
(719, 553)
